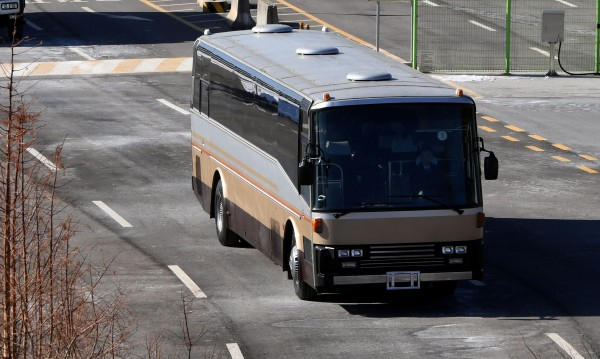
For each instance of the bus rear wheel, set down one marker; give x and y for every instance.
(226, 237)
(303, 290)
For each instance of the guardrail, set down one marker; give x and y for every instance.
(502, 36)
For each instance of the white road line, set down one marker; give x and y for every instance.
(481, 25)
(430, 3)
(566, 3)
(564, 345)
(114, 215)
(33, 25)
(41, 158)
(543, 52)
(81, 53)
(234, 351)
(196, 291)
(477, 283)
(174, 107)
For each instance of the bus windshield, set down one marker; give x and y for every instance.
(395, 157)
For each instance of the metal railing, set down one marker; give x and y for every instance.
(502, 36)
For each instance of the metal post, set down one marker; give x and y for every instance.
(552, 71)
(597, 66)
(377, 25)
(507, 40)
(415, 26)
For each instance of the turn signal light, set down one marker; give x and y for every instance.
(317, 225)
(480, 219)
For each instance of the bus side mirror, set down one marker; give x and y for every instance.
(490, 167)
(305, 173)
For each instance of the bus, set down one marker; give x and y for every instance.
(313, 149)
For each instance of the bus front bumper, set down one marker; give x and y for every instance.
(383, 278)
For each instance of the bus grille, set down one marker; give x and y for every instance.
(402, 257)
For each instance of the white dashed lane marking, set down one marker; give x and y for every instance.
(187, 281)
(114, 215)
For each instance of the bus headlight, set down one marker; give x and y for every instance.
(10, 6)
(447, 250)
(460, 249)
(357, 253)
(345, 253)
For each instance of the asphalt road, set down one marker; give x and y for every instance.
(127, 145)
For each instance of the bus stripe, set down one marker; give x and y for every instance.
(272, 197)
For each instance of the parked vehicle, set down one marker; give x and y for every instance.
(12, 18)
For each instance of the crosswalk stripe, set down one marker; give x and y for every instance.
(100, 67)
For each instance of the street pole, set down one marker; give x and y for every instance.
(507, 40)
(415, 13)
(597, 65)
(377, 25)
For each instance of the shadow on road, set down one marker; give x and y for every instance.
(536, 269)
(120, 28)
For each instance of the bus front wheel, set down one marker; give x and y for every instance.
(303, 290)
(226, 237)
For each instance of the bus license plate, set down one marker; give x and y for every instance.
(403, 280)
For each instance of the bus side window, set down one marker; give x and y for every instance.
(196, 93)
(203, 96)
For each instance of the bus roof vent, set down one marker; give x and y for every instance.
(317, 50)
(272, 28)
(369, 76)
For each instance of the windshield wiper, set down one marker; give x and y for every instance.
(362, 206)
(432, 199)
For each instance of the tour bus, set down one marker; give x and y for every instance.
(343, 166)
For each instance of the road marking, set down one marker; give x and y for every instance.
(430, 3)
(564, 345)
(562, 147)
(81, 53)
(166, 12)
(588, 157)
(120, 17)
(338, 30)
(103, 67)
(514, 128)
(537, 137)
(487, 129)
(543, 52)
(174, 107)
(187, 281)
(561, 158)
(33, 25)
(481, 25)
(510, 138)
(566, 3)
(41, 158)
(489, 118)
(114, 215)
(587, 169)
(234, 351)
(477, 283)
(534, 148)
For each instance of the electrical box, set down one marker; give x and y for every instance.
(553, 26)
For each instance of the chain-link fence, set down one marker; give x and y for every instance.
(502, 36)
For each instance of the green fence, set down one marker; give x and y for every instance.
(502, 36)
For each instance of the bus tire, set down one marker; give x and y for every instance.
(226, 237)
(303, 290)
